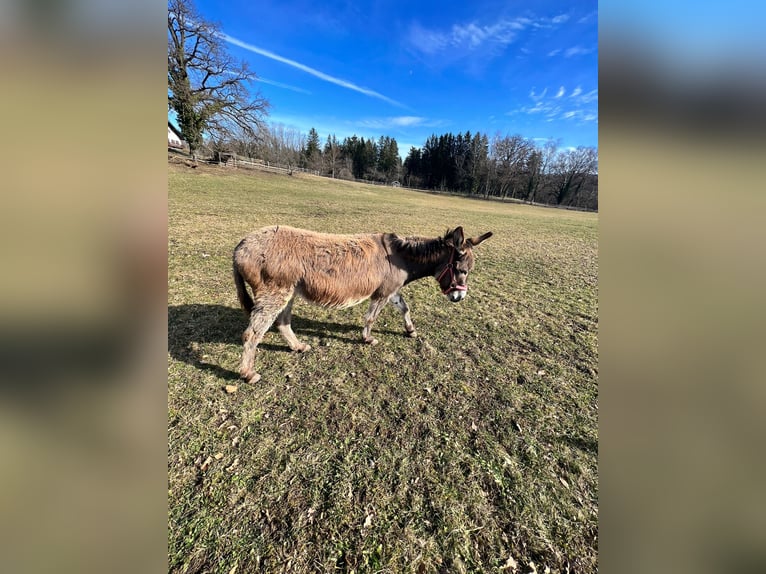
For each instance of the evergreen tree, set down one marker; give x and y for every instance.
(413, 168)
(312, 153)
(389, 162)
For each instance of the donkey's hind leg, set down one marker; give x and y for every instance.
(376, 306)
(399, 302)
(265, 310)
(283, 324)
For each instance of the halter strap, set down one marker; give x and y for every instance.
(450, 268)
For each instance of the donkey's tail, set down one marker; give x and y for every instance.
(239, 281)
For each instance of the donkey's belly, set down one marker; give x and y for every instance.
(349, 303)
(335, 295)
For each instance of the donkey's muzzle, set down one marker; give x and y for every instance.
(456, 295)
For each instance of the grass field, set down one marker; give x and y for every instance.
(472, 448)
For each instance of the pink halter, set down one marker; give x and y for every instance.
(450, 268)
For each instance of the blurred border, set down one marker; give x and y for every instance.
(682, 278)
(83, 310)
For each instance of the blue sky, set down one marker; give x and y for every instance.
(412, 69)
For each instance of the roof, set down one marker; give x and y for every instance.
(175, 130)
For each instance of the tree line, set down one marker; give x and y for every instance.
(504, 167)
(352, 158)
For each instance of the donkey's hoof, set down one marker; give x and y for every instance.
(250, 377)
(412, 334)
(302, 348)
(371, 341)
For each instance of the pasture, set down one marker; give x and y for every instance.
(472, 448)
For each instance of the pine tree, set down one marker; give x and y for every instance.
(312, 153)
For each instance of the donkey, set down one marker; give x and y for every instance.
(339, 271)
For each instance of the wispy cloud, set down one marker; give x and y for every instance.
(271, 82)
(578, 106)
(577, 51)
(427, 41)
(572, 52)
(304, 68)
(407, 121)
(281, 85)
(398, 122)
(472, 35)
(589, 98)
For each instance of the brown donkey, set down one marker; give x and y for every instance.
(280, 262)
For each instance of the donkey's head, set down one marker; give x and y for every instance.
(452, 274)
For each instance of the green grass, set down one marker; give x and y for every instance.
(471, 445)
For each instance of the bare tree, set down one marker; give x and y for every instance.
(245, 143)
(207, 88)
(510, 156)
(332, 153)
(281, 146)
(540, 162)
(572, 168)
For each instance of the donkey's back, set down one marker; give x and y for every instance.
(328, 269)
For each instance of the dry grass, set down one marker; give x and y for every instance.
(469, 449)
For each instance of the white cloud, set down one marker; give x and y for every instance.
(427, 41)
(407, 121)
(539, 107)
(303, 67)
(473, 35)
(577, 51)
(398, 122)
(281, 85)
(577, 107)
(591, 96)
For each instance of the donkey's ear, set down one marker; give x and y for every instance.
(476, 240)
(458, 237)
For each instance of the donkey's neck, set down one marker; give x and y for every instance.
(418, 272)
(419, 257)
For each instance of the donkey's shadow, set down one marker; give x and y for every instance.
(190, 326)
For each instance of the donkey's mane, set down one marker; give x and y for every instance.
(424, 249)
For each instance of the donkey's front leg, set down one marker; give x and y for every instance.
(376, 306)
(401, 304)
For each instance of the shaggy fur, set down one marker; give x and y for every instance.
(339, 271)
